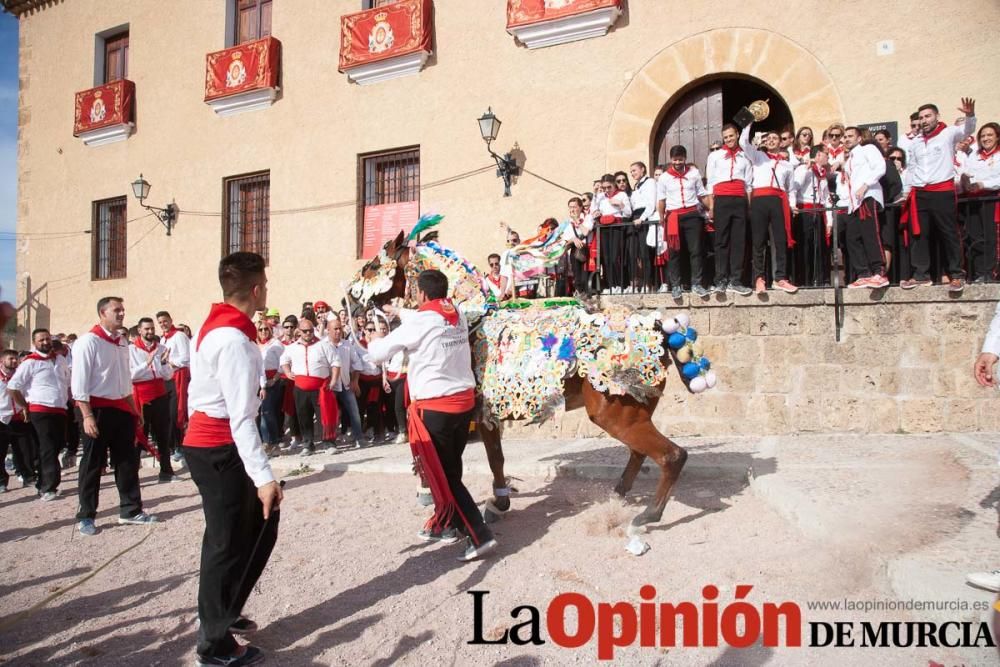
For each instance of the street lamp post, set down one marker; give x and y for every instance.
(489, 127)
(167, 216)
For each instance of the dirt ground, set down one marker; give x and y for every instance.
(349, 584)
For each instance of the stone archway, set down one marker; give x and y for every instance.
(795, 73)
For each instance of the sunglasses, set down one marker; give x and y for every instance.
(369, 330)
(836, 135)
(287, 326)
(896, 158)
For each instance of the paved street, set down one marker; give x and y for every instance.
(800, 518)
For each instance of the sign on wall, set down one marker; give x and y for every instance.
(891, 126)
(383, 222)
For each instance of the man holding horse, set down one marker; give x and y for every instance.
(442, 392)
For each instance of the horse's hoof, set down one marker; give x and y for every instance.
(500, 503)
(492, 513)
(490, 517)
(636, 529)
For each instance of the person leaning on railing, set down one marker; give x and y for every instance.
(981, 178)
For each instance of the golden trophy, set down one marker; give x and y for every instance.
(756, 112)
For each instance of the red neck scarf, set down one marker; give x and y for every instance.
(4, 376)
(985, 154)
(170, 332)
(99, 331)
(937, 130)
(141, 344)
(801, 151)
(224, 315)
(777, 157)
(835, 150)
(820, 172)
(262, 343)
(38, 356)
(443, 307)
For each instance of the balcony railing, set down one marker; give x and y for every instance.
(386, 42)
(106, 113)
(538, 23)
(244, 77)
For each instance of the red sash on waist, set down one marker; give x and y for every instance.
(427, 463)
(205, 431)
(182, 378)
(329, 412)
(310, 382)
(810, 205)
(271, 373)
(395, 376)
(672, 226)
(288, 400)
(785, 209)
(44, 409)
(730, 189)
(909, 220)
(608, 219)
(115, 403)
(146, 391)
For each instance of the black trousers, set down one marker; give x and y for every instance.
(116, 434)
(730, 214)
(398, 393)
(234, 520)
(981, 227)
(156, 414)
(450, 433)
(813, 251)
(16, 438)
(613, 262)
(72, 429)
(635, 253)
(692, 232)
(51, 430)
(306, 410)
(864, 240)
(767, 220)
(938, 219)
(174, 439)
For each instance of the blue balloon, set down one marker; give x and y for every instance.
(692, 334)
(704, 364)
(690, 370)
(676, 341)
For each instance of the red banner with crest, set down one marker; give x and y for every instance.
(398, 29)
(525, 12)
(104, 106)
(249, 66)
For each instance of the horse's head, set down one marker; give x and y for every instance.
(382, 278)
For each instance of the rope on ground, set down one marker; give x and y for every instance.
(14, 619)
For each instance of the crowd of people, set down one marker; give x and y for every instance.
(906, 210)
(319, 389)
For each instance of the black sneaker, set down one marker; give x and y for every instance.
(245, 655)
(472, 552)
(737, 288)
(243, 626)
(446, 536)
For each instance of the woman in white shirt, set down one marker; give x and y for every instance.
(615, 208)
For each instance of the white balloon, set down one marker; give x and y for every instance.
(711, 379)
(698, 384)
(683, 319)
(670, 326)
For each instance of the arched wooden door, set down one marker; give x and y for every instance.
(694, 122)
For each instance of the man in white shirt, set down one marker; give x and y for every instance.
(15, 431)
(644, 216)
(346, 385)
(729, 175)
(40, 391)
(442, 390)
(863, 167)
(150, 372)
(812, 193)
(931, 163)
(179, 345)
(102, 388)
(309, 364)
(679, 193)
(222, 446)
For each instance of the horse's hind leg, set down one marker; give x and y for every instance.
(629, 474)
(494, 454)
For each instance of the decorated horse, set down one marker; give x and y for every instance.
(533, 357)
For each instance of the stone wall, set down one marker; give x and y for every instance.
(903, 365)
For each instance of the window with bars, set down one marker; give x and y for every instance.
(116, 57)
(253, 20)
(247, 214)
(109, 232)
(388, 195)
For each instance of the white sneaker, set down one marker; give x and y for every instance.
(664, 288)
(627, 290)
(401, 439)
(616, 290)
(988, 580)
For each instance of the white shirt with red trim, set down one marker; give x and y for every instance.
(836, 156)
(7, 407)
(180, 348)
(43, 382)
(617, 205)
(864, 165)
(722, 168)
(440, 359)
(931, 159)
(147, 364)
(100, 368)
(313, 360)
(225, 383)
(680, 191)
(768, 171)
(346, 356)
(984, 168)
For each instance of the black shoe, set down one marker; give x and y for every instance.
(246, 655)
(243, 626)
